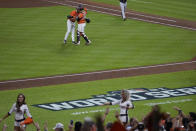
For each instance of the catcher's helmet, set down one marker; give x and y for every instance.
(80, 7)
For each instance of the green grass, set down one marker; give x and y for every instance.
(183, 9)
(31, 46)
(40, 95)
(31, 43)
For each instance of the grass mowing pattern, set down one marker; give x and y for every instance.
(31, 43)
(183, 9)
(87, 89)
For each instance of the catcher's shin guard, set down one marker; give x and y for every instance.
(85, 37)
(78, 36)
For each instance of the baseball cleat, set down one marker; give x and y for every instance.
(78, 43)
(74, 42)
(88, 43)
(65, 41)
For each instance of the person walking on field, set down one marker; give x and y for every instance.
(125, 104)
(71, 26)
(123, 5)
(81, 19)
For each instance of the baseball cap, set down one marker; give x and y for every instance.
(59, 125)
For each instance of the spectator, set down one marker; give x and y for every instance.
(88, 125)
(151, 121)
(117, 126)
(133, 124)
(59, 127)
(108, 126)
(78, 126)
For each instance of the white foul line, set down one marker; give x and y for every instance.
(140, 19)
(168, 102)
(119, 11)
(99, 72)
(139, 1)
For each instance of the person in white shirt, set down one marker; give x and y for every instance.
(125, 104)
(20, 108)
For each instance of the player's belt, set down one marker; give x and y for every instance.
(123, 1)
(123, 114)
(20, 120)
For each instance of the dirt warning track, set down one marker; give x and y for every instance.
(98, 75)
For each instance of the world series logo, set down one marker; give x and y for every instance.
(138, 94)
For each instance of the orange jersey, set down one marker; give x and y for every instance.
(74, 14)
(82, 16)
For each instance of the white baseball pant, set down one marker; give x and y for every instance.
(123, 7)
(81, 27)
(70, 28)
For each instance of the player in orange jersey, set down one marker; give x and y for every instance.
(81, 19)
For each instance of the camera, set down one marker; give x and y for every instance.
(71, 122)
(140, 126)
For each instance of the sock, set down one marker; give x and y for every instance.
(85, 37)
(78, 36)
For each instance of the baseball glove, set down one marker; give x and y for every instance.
(73, 19)
(88, 20)
(69, 16)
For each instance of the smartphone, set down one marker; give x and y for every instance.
(71, 122)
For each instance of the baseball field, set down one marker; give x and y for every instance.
(31, 48)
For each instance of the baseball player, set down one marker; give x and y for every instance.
(71, 25)
(123, 5)
(81, 19)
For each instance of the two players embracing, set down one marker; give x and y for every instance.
(78, 15)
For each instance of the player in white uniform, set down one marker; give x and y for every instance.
(20, 108)
(123, 5)
(71, 25)
(125, 104)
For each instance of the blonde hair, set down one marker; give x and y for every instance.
(126, 93)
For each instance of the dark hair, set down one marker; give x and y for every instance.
(151, 121)
(185, 122)
(109, 125)
(78, 126)
(194, 124)
(19, 104)
(61, 129)
(192, 115)
(168, 125)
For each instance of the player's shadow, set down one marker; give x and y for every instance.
(66, 48)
